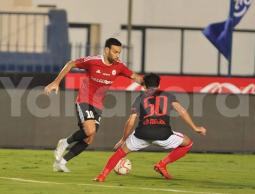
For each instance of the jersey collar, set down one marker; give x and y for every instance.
(151, 91)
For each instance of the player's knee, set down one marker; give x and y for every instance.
(187, 141)
(89, 140)
(89, 131)
(190, 143)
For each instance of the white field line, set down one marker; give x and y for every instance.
(105, 186)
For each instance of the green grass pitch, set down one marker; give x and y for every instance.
(30, 172)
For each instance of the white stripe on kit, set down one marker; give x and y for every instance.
(88, 58)
(80, 113)
(133, 86)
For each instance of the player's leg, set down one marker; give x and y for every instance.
(132, 144)
(88, 117)
(78, 148)
(179, 152)
(81, 145)
(112, 162)
(75, 137)
(89, 124)
(88, 129)
(181, 144)
(65, 142)
(88, 120)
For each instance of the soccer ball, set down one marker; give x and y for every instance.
(123, 167)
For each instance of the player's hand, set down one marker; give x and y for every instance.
(137, 78)
(51, 87)
(117, 145)
(201, 130)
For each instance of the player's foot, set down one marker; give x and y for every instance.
(161, 168)
(58, 167)
(100, 178)
(60, 149)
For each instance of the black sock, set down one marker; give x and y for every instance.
(75, 150)
(76, 136)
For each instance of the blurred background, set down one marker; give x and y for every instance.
(37, 37)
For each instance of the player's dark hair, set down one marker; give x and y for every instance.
(112, 41)
(151, 80)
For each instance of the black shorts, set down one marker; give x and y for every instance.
(153, 132)
(87, 112)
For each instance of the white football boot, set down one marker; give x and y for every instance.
(60, 167)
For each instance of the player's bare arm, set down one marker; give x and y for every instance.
(186, 117)
(128, 129)
(137, 78)
(55, 84)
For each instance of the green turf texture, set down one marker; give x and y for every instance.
(195, 173)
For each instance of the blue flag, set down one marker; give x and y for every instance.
(220, 34)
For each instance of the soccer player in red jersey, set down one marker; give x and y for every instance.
(153, 108)
(101, 71)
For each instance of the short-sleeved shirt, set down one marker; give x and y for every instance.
(100, 78)
(153, 107)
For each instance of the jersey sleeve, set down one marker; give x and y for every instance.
(136, 105)
(126, 71)
(82, 63)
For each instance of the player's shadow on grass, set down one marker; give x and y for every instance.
(206, 183)
(147, 177)
(215, 184)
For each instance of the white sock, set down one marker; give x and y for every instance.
(65, 141)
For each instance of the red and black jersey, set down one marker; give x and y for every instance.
(153, 107)
(100, 78)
